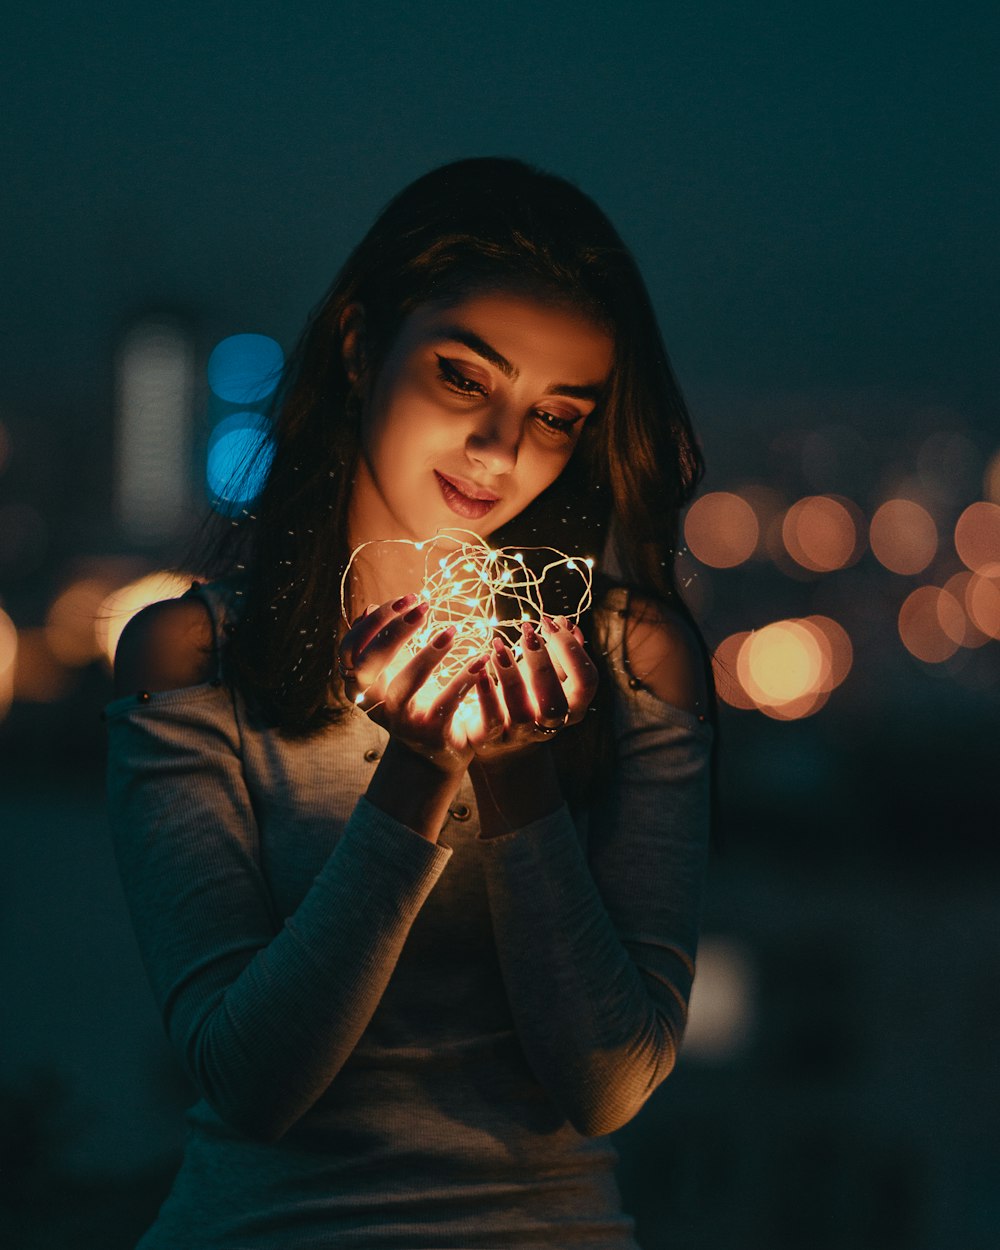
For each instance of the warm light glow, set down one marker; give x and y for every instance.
(780, 664)
(835, 645)
(961, 627)
(787, 669)
(903, 536)
(8, 659)
(727, 680)
(69, 623)
(121, 605)
(977, 537)
(820, 534)
(721, 529)
(39, 677)
(982, 602)
(920, 624)
(467, 587)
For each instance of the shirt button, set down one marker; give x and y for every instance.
(372, 754)
(460, 811)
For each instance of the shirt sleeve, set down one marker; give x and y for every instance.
(597, 946)
(261, 1015)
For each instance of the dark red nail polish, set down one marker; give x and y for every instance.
(399, 604)
(444, 637)
(416, 613)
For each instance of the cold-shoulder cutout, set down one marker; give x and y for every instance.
(661, 651)
(166, 646)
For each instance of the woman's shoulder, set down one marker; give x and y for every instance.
(174, 642)
(654, 647)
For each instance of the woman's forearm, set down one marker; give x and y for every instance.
(412, 790)
(513, 792)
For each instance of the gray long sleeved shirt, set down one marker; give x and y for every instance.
(400, 1043)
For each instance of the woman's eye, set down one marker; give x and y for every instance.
(458, 381)
(558, 425)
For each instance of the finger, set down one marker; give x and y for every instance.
(550, 700)
(515, 693)
(567, 644)
(415, 672)
(490, 706)
(446, 704)
(379, 634)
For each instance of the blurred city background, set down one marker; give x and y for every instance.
(811, 193)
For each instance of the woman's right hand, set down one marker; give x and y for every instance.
(367, 651)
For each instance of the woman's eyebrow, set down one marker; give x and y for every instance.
(471, 340)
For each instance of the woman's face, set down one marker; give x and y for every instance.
(475, 411)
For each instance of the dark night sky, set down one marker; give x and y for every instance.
(810, 190)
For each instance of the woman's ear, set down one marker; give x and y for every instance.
(352, 334)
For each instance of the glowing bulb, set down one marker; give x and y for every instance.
(462, 589)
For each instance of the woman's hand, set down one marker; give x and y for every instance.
(367, 652)
(551, 687)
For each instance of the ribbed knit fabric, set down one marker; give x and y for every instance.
(402, 1044)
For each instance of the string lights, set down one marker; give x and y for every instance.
(484, 591)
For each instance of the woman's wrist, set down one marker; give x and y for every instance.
(413, 789)
(514, 790)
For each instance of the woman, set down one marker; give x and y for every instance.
(418, 964)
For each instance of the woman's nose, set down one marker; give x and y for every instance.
(495, 444)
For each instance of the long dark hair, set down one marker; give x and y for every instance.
(473, 226)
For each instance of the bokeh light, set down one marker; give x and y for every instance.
(977, 537)
(787, 669)
(232, 447)
(122, 604)
(781, 668)
(727, 681)
(903, 536)
(982, 602)
(721, 529)
(245, 368)
(69, 623)
(966, 632)
(723, 1007)
(920, 624)
(8, 659)
(821, 533)
(835, 646)
(39, 675)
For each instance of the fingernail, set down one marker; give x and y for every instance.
(478, 665)
(550, 624)
(531, 639)
(502, 656)
(444, 637)
(399, 604)
(416, 613)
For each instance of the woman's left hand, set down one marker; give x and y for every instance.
(551, 686)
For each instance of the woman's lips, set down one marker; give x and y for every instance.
(461, 504)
